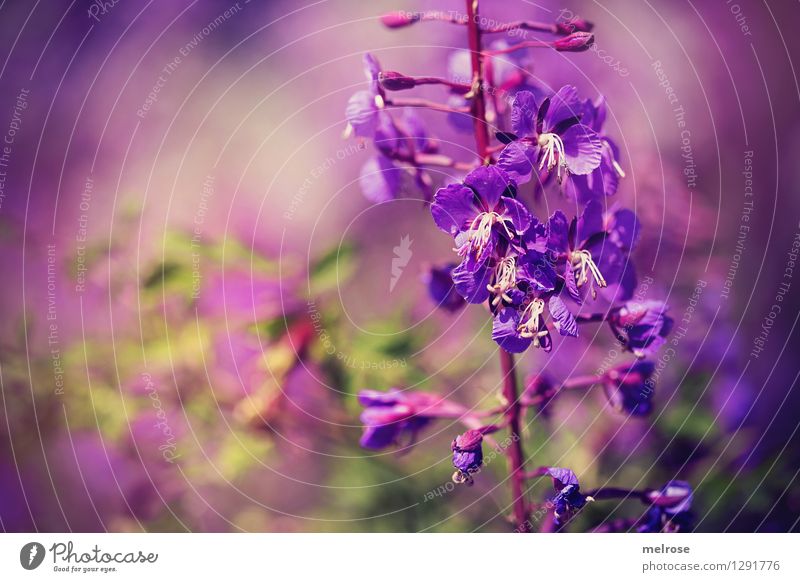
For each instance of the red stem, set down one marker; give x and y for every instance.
(516, 458)
(478, 102)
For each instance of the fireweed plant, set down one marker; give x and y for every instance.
(532, 275)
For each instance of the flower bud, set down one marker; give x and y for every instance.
(399, 19)
(394, 81)
(468, 451)
(629, 388)
(574, 25)
(575, 42)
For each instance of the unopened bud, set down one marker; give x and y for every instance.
(399, 19)
(574, 25)
(575, 42)
(394, 81)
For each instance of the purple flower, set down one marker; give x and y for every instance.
(515, 329)
(641, 326)
(629, 387)
(363, 108)
(603, 180)
(591, 256)
(670, 510)
(550, 137)
(506, 278)
(380, 179)
(568, 498)
(467, 454)
(479, 213)
(441, 289)
(388, 416)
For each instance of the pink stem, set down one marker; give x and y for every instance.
(516, 458)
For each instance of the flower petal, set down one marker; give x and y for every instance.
(518, 159)
(558, 231)
(362, 114)
(471, 283)
(504, 331)
(523, 114)
(518, 214)
(380, 179)
(562, 318)
(564, 105)
(490, 183)
(582, 149)
(453, 208)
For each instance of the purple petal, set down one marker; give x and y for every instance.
(582, 149)
(490, 182)
(558, 231)
(471, 283)
(571, 285)
(518, 213)
(362, 114)
(562, 318)
(380, 179)
(460, 121)
(379, 436)
(538, 271)
(563, 105)
(562, 477)
(504, 331)
(518, 159)
(590, 221)
(372, 67)
(417, 130)
(453, 208)
(378, 398)
(624, 228)
(459, 66)
(523, 114)
(442, 290)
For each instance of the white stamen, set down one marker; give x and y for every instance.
(480, 233)
(614, 164)
(505, 279)
(552, 153)
(584, 264)
(530, 320)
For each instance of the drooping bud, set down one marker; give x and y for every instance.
(574, 25)
(399, 19)
(394, 81)
(575, 42)
(468, 451)
(629, 388)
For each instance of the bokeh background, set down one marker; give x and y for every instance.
(194, 287)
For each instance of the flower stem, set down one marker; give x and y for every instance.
(478, 102)
(516, 458)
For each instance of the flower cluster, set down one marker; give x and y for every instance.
(535, 275)
(526, 269)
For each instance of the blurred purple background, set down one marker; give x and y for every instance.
(132, 124)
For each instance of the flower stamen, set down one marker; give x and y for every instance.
(505, 278)
(530, 321)
(480, 234)
(553, 155)
(584, 264)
